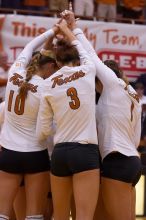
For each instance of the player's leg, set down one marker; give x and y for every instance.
(13, 216)
(119, 176)
(10, 180)
(49, 207)
(61, 193)
(84, 162)
(73, 208)
(117, 197)
(9, 185)
(37, 181)
(36, 187)
(86, 188)
(100, 212)
(20, 204)
(61, 181)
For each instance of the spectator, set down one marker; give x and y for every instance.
(142, 79)
(107, 9)
(58, 5)
(3, 74)
(84, 7)
(35, 4)
(139, 87)
(132, 8)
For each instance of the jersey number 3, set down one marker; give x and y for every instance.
(19, 103)
(75, 102)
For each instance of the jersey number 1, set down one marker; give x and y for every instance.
(19, 103)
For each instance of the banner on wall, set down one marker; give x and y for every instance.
(125, 43)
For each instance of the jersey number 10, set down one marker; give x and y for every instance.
(19, 103)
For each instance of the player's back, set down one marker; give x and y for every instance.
(71, 93)
(118, 119)
(19, 130)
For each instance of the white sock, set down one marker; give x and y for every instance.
(4, 217)
(34, 217)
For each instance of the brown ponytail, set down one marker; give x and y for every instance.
(115, 67)
(65, 52)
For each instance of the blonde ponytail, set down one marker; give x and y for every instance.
(31, 70)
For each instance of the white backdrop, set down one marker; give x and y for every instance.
(126, 43)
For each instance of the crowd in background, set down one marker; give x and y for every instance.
(102, 9)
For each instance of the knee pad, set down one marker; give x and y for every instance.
(34, 217)
(4, 217)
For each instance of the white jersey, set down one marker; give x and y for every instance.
(118, 111)
(19, 129)
(69, 97)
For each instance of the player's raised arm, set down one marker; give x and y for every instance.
(25, 56)
(105, 74)
(84, 57)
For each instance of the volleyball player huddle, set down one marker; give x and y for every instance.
(43, 92)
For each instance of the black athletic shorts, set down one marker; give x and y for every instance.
(69, 158)
(24, 162)
(121, 167)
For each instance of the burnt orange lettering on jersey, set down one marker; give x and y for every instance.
(75, 102)
(10, 100)
(16, 79)
(19, 105)
(58, 80)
